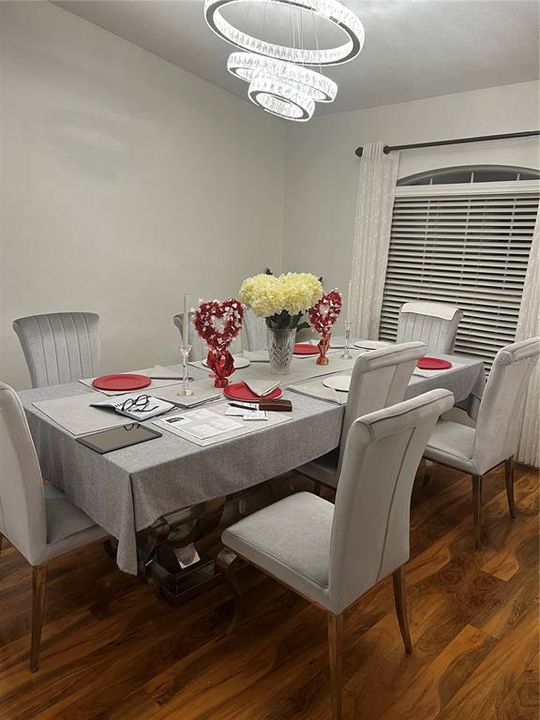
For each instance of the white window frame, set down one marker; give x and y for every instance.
(514, 187)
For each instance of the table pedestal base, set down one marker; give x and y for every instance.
(176, 585)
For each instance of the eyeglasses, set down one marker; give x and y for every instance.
(138, 404)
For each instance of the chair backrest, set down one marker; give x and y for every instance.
(22, 505)
(255, 330)
(500, 416)
(370, 532)
(379, 379)
(199, 349)
(433, 323)
(60, 347)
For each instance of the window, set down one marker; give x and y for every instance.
(463, 244)
(470, 174)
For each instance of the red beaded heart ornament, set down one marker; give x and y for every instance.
(325, 312)
(231, 314)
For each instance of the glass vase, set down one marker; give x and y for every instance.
(280, 350)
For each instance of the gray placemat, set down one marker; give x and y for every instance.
(75, 415)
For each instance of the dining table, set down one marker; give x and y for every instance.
(127, 490)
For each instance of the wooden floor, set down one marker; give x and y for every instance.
(474, 624)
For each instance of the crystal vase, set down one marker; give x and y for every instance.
(280, 350)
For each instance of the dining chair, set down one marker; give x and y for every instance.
(495, 439)
(255, 331)
(379, 379)
(333, 554)
(199, 349)
(433, 323)
(59, 347)
(39, 521)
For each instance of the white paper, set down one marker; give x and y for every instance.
(251, 415)
(201, 424)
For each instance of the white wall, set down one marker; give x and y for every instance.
(126, 181)
(322, 170)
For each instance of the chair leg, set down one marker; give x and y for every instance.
(401, 608)
(1, 539)
(425, 470)
(509, 476)
(335, 639)
(477, 510)
(39, 589)
(226, 563)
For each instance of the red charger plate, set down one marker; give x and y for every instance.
(121, 381)
(429, 363)
(240, 391)
(305, 349)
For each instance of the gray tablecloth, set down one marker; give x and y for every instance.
(127, 490)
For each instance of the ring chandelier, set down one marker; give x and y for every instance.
(247, 66)
(278, 80)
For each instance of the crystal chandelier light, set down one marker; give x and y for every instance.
(316, 86)
(278, 80)
(330, 10)
(280, 98)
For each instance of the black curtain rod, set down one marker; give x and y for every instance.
(458, 141)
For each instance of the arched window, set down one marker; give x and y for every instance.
(463, 235)
(470, 174)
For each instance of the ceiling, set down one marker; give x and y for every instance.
(413, 49)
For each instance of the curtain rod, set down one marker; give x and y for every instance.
(458, 141)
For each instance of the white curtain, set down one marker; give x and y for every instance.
(376, 188)
(529, 326)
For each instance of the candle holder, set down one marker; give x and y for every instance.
(346, 354)
(185, 390)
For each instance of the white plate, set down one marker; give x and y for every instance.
(239, 362)
(372, 344)
(338, 382)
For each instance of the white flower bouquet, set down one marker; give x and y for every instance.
(281, 299)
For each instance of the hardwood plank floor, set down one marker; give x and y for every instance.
(474, 622)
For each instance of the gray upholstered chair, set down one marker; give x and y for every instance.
(199, 349)
(332, 555)
(255, 330)
(38, 520)
(494, 440)
(60, 347)
(379, 379)
(433, 323)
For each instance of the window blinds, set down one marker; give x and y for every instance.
(468, 249)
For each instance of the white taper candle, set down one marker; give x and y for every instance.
(349, 302)
(186, 320)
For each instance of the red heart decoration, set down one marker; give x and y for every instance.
(325, 312)
(230, 312)
(221, 362)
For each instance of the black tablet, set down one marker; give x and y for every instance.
(119, 437)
